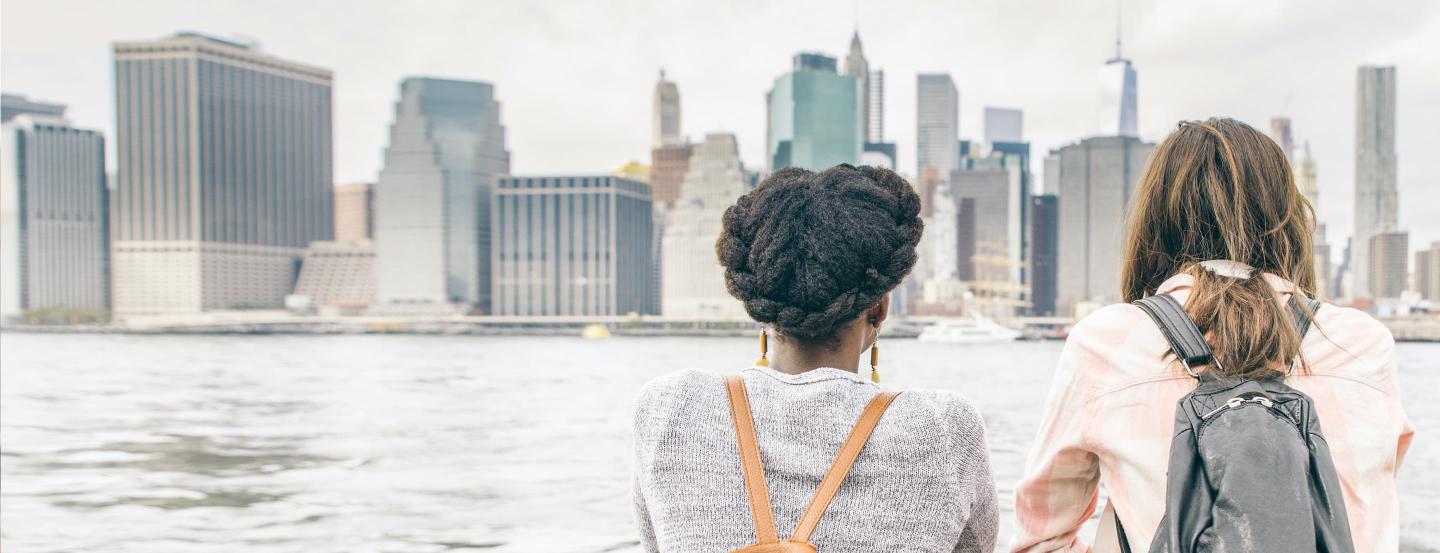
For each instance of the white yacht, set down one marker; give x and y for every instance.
(974, 329)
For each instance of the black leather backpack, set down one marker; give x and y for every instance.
(1249, 469)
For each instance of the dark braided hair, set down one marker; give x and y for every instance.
(808, 252)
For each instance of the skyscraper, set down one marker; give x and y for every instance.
(432, 201)
(996, 267)
(1093, 179)
(1043, 243)
(814, 116)
(693, 282)
(665, 117)
(937, 124)
(1389, 263)
(1306, 181)
(223, 174)
(54, 213)
(858, 67)
(1427, 272)
(1375, 187)
(875, 114)
(1119, 111)
(668, 165)
(1004, 125)
(355, 211)
(572, 246)
(1281, 133)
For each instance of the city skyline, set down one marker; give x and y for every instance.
(1295, 74)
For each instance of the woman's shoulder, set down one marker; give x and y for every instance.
(677, 383)
(954, 412)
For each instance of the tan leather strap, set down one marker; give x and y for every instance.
(750, 464)
(830, 485)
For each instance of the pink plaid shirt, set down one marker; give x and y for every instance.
(1111, 411)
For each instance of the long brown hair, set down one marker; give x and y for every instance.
(1219, 189)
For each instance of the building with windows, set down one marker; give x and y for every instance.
(54, 214)
(990, 234)
(572, 246)
(1389, 264)
(223, 174)
(665, 114)
(1004, 125)
(1427, 272)
(338, 277)
(1044, 239)
(937, 124)
(432, 200)
(1093, 180)
(814, 116)
(355, 212)
(668, 166)
(694, 281)
(1376, 197)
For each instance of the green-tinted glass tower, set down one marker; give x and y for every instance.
(815, 120)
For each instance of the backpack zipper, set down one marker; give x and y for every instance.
(1235, 402)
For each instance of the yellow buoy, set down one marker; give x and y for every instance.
(594, 331)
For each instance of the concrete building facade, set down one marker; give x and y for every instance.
(1093, 180)
(668, 166)
(693, 281)
(1389, 264)
(54, 213)
(432, 200)
(355, 212)
(572, 246)
(1376, 207)
(665, 114)
(937, 124)
(223, 174)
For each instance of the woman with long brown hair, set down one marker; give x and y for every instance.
(1217, 223)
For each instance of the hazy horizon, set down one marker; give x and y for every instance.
(575, 78)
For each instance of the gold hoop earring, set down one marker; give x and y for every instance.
(875, 361)
(762, 361)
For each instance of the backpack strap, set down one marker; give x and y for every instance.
(754, 471)
(830, 485)
(1185, 338)
(750, 466)
(1303, 319)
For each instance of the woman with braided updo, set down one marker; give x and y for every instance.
(723, 462)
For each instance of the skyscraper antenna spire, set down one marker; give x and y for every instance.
(1118, 54)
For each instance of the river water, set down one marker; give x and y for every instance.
(425, 443)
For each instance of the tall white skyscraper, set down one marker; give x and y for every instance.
(1119, 113)
(694, 283)
(937, 124)
(665, 117)
(1375, 186)
(432, 201)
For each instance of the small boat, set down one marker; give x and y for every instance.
(974, 329)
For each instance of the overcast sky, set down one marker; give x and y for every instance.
(576, 78)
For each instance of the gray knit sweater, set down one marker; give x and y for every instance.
(921, 484)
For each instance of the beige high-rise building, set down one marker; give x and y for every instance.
(223, 174)
(693, 283)
(1427, 272)
(665, 118)
(1389, 263)
(355, 212)
(668, 165)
